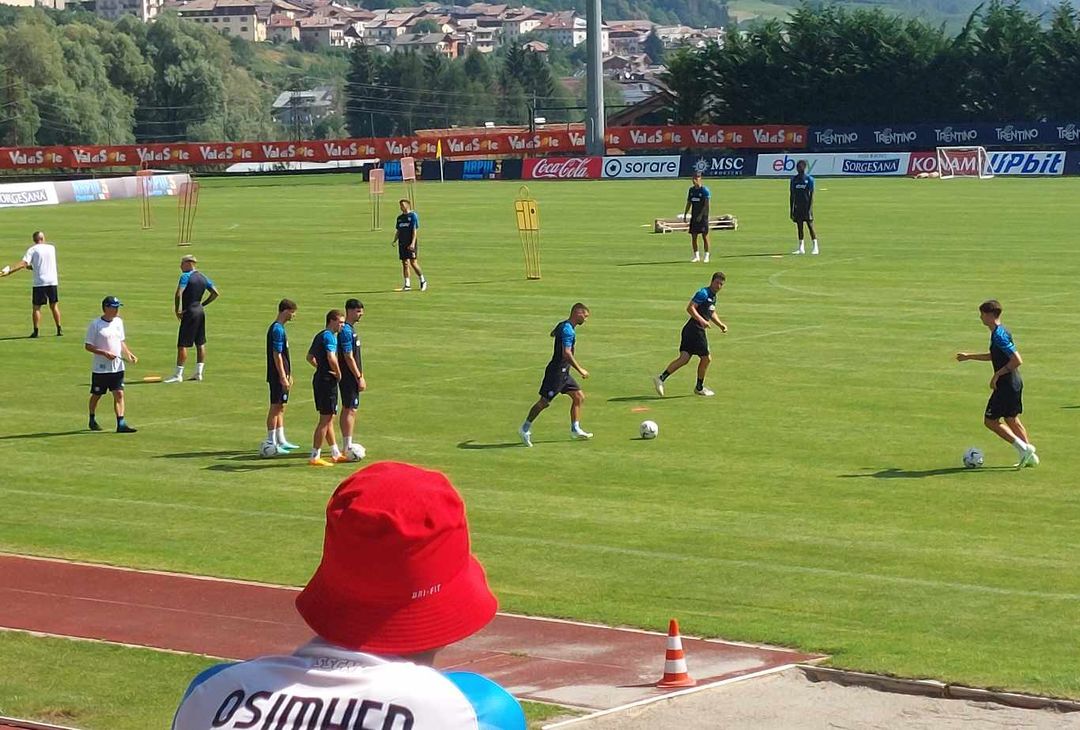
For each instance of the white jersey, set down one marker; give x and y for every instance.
(324, 686)
(106, 336)
(41, 259)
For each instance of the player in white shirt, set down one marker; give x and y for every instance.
(397, 582)
(105, 339)
(41, 259)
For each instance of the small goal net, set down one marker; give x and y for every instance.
(964, 162)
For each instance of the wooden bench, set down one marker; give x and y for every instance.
(716, 223)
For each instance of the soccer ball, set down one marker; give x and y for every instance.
(268, 449)
(973, 458)
(648, 429)
(356, 452)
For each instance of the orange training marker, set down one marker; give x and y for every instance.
(675, 672)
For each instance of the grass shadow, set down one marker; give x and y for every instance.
(241, 468)
(43, 434)
(643, 398)
(898, 473)
(205, 454)
(17, 337)
(1069, 408)
(654, 263)
(471, 444)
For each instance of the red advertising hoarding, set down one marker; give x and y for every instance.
(562, 168)
(497, 144)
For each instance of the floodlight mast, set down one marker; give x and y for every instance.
(594, 122)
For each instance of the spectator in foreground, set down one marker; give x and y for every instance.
(397, 582)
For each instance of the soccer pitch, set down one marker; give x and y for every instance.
(817, 501)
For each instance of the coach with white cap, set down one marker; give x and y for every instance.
(397, 582)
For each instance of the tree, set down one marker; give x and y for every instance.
(427, 25)
(654, 47)
(360, 88)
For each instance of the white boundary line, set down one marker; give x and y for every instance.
(668, 696)
(106, 642)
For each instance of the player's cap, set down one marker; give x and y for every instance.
(397, 576)
(189, 257)
(111, 302)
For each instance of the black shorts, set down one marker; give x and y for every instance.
(405, 254)
(1006, 401)
(326, 396)
(44, 295)
(350, 392)
(278, 393)
(101, 382)
(557, 379)
(699, 225)
(802, 215)
(693, 339)
(192, 328)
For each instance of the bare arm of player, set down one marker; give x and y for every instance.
(98, 351)
(350, 362)
(692, 311)
(312, 361)
(279, 366)
(983, 356)
(568, 354)
(721, 325)
(335, 368)
(214, 294)
(176, 302)
(9, 270)
(128, 353)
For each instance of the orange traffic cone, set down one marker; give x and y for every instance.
(675, 674)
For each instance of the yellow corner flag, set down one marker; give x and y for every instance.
(438, 150)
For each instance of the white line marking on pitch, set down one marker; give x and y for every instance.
(669, 695)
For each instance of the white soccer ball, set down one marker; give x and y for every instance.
(649, 429)
(356, 452)
(973, 458)
(268, 449)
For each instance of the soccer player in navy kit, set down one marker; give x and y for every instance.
(697, 205)
(1006, 402)
(406, 238)
(702, 311)
(557, 377)
(801, 206)
(279, 376)
(352, 370)
(188, 302)
(322, 355)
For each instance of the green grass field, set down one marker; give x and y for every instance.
(816, 501)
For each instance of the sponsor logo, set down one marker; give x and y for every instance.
(829, 138)
(87, 190)
(922, 162)
(785, 164)
(1027, 163)
(890, 166)
(624, 167)
(890, 136)
(478, 170)
(1010, 133)
(1068, 133)
(720, 166)
(17, 195)
(777, 137)
(567, 168)
(948, 135)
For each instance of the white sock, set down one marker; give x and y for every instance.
(527, 426)
(575, 426)
(271, 437)
(802, 245)
(407, 281)
(706, 257)
(280, 435)
(335, 451)
(348, 442)
(1020, 445)
(423, 280)
(179, 371)
(199, 368)
(316, 453)
(815, 243)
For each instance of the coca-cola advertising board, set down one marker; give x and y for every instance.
(562, 168)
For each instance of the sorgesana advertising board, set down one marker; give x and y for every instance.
(17, 195)
(867, 164)
(639, 167)
(721, 164)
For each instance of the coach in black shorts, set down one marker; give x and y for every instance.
(188, 302)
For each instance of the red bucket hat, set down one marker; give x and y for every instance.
(397, 576)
